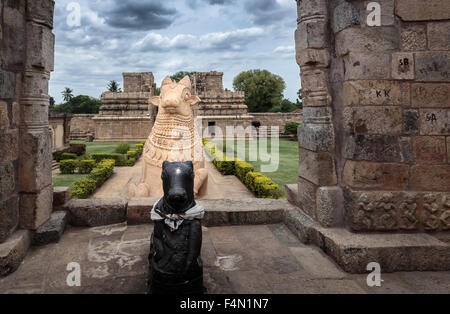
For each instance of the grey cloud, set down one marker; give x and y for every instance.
(137, 14)
(265, 12)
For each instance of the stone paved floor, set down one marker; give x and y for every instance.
(219, 186)
(238, 259)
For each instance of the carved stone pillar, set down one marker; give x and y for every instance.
(36, 140)
(318, 193)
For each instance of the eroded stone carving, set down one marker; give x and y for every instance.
(173, 138)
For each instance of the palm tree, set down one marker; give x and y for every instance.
(113, 86)
(67, 94)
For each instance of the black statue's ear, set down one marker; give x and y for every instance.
(165, 163)
(190, 164)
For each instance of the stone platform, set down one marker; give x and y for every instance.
(263, 259)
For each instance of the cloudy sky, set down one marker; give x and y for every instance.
(166, 36)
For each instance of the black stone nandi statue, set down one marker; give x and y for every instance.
(175, 263)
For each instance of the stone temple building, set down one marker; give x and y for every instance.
(218, 107)
(374, 148)
(127, 115)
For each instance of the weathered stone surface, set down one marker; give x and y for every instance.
(292, 193)
(393, 211)
(35, 164)
(434, 121)
(373, 148)
(61, 195)
(41, 12)
(370, 92)
(367, 66)
(429, 149)
(439, 36)
(406, 94)
(387, 12)
(430, 177)
(318, 167)
(13, 251)
(316, 137)
(367, 39)
(7, 84)
(225, 212)
(354, 251)
(96, 212)
(311, 34)
(15, 114)
(9, 142)
(315, 88)
(318, 58)
(300, 224)
(330, 206)
(430, 95)
(418, 10)
(36, 84)
(52, 230)
(307, 197)
(14, 16)
(414, 37)
(373, 120)
(448, 149)
(40, 46)
(344, 15)
(410, 122)
(9, 216)
(317, 115)
(406, 147)
(36, 208)
(403, 66)
(4, 118)
(138, 210)
(7, 179)
(432, 66)
(387, 176)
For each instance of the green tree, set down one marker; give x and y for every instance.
(67, 94)
(52, 102)
(80, 104)
(113, 86)
(299, 99)
(263, 90)
(180, 75)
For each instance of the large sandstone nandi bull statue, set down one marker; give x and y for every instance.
(173, 138)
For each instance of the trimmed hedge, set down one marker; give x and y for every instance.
(122, 148)
(242, 168)
(86, 166)
(83, 188)
(66, 156)
(223, 164)
(68, 166)
(133, 154)
(118, 158)
(131, 162)
(140, 147)
(86, 186)
(262, 186)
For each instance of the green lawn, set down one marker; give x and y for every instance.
(101, 147)
(66, 179)
(287, 171)
(91, 148)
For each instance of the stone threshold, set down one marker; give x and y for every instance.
(218, 212)
(354, 251)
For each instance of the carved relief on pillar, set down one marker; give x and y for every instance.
(397, 211)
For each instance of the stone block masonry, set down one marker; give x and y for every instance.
(376, 118)
(26, 53)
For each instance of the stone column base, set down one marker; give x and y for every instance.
(354, 251)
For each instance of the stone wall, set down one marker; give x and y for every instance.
(113, 129)
(374, 146)
(82, 123)
(26, 60)
(278, 119)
